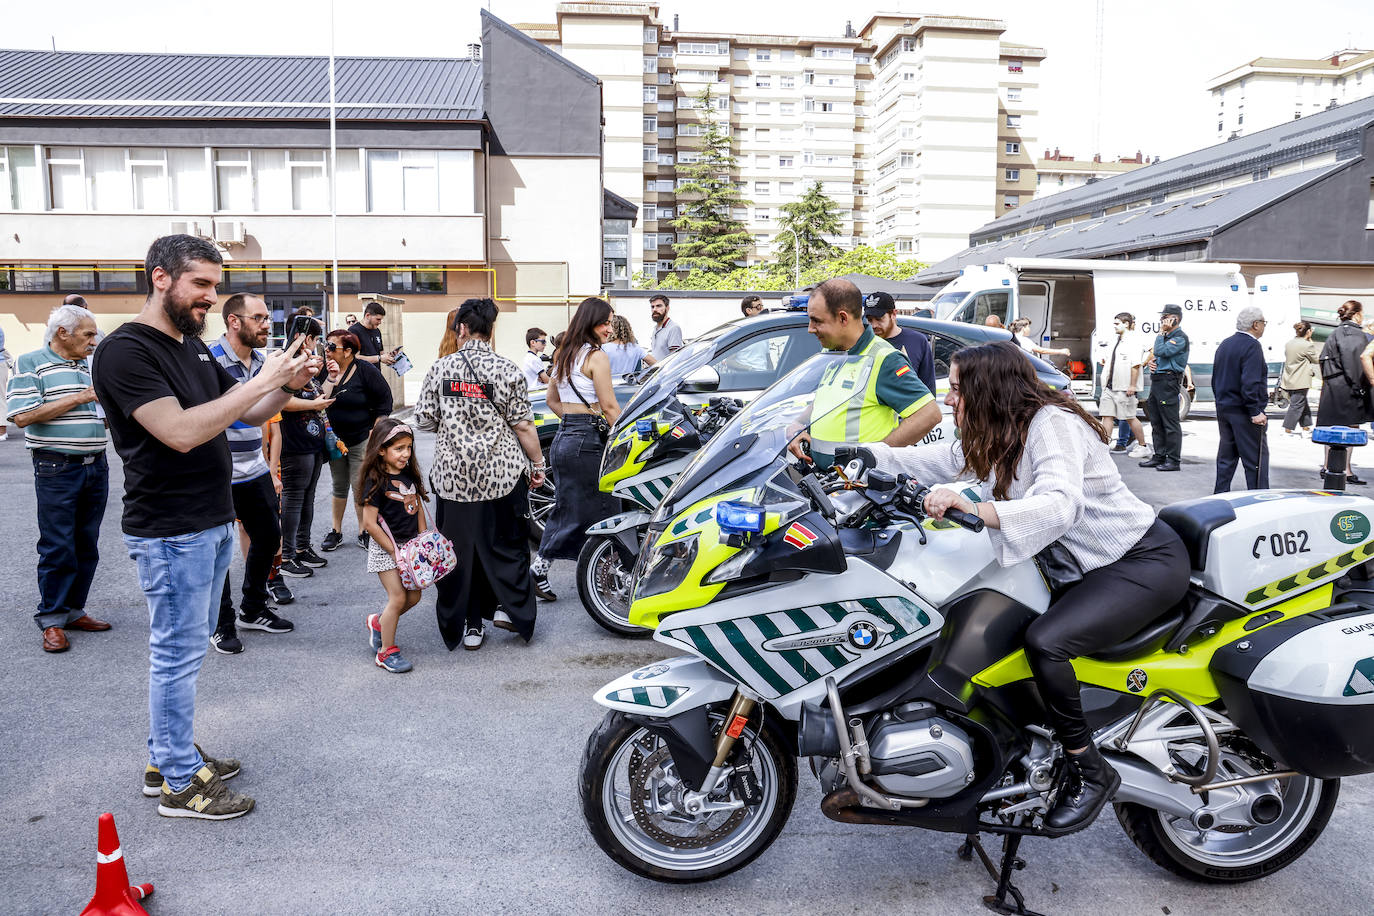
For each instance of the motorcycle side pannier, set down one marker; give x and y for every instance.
(1303, 689)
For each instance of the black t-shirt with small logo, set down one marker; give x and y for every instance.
(166, 493)
(398, 504)
(302, 431)
(369, 339)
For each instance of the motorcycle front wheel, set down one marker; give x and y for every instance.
(631, 799)
(1219, 857)
(603, 584)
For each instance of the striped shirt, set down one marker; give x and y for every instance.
(1067, 488)
(245, 441)
(42, 377)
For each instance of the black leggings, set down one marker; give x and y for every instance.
(1110, 604)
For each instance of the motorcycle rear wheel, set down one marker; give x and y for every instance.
(628, 782)
(1217, 858)
(603, 584)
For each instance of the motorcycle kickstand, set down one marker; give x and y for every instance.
(998, 902)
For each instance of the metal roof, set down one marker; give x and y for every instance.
(99, 84)
(1159, 225)
(1340, 129)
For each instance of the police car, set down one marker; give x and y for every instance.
(741, 358)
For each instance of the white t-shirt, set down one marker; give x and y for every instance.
(532, 367)
(1130, 351)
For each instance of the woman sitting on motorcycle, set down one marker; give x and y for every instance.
(1045, 475)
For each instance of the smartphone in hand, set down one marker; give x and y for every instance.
(302, 326)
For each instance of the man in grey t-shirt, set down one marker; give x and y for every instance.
(667, 335)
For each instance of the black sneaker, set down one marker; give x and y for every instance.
(296, 569)
(266, 621)
(542, 589)
(281, 594)
(363, 540)
(226, 641)
(308, 557)
(331, 541)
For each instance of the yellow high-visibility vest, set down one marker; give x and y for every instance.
(847, 409)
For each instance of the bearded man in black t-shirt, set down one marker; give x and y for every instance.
(168, 403)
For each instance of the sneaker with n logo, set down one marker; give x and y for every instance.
(206, 797)
(224, 767)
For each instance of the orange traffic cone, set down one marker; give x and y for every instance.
(113, 894)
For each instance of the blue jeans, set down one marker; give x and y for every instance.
(71, 505)
(181, 578)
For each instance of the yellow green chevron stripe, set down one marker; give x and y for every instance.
(1310, 575)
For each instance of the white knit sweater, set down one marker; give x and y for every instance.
(1067, 488)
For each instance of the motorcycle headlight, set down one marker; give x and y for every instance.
(615, 457)
(667, 566)
(732, 567)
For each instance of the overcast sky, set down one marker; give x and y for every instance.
(1157, 56)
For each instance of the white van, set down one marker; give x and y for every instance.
(1071, 304)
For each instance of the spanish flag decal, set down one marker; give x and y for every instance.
(677, 432)
(799, 536)
(904, 370)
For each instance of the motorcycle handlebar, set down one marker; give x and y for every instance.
(965, 520)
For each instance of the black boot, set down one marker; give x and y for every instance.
(1153, 461)
(1089, 783)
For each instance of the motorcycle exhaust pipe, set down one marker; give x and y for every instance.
(848, 756)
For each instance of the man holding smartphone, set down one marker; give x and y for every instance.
(369, 334)
(256, 500)
(168, 404)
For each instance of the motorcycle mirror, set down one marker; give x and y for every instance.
(703, 378)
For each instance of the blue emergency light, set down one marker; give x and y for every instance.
(739, 518)
(644, 426)
(796, 303)
(1339, 435)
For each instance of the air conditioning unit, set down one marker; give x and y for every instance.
(228, 232)
(187, 227)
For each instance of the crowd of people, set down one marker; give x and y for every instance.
(226, 443)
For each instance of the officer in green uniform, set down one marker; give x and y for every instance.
(872, 395)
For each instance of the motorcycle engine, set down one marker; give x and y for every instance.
(918, 754)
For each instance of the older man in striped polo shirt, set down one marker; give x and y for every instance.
(51, 398)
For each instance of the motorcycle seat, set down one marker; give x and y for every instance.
(1148, 640)
(1194, 520)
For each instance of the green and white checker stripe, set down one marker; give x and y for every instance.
(656, 697)
(648, 493)
(736, 646)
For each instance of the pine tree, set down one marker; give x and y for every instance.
(804, 226)
(709, 238)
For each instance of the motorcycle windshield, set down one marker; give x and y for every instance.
(661, 381)
(758, 437)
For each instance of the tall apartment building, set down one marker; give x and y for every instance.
(1270, 90)
(919, 128)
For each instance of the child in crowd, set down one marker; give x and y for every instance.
(391, 493)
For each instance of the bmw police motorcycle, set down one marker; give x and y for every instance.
(823, 619)
(650, 445)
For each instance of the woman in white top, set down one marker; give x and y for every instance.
(624, 351)
(580, 393)
(1020, 329)
(1045, 475)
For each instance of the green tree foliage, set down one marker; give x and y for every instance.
(710, 240)
(804, 226)
(876, 262)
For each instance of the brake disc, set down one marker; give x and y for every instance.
(646, 785)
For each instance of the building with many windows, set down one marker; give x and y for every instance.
(1055, 172)
(1271, 90)
(452, 178)
(919, 128)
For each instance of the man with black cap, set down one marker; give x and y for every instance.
(881, 311)
(1169, 359)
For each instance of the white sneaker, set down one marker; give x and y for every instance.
(1138, 451)
(501, 620)
(473, 636)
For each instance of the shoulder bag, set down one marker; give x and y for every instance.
(1059, 567)
(424, 559)
(603, 426)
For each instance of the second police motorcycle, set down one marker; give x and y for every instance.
(824, 621)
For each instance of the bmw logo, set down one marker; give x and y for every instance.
(863, 634)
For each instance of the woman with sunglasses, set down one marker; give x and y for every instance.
(361, 398)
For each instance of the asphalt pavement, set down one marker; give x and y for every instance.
(452, 789)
